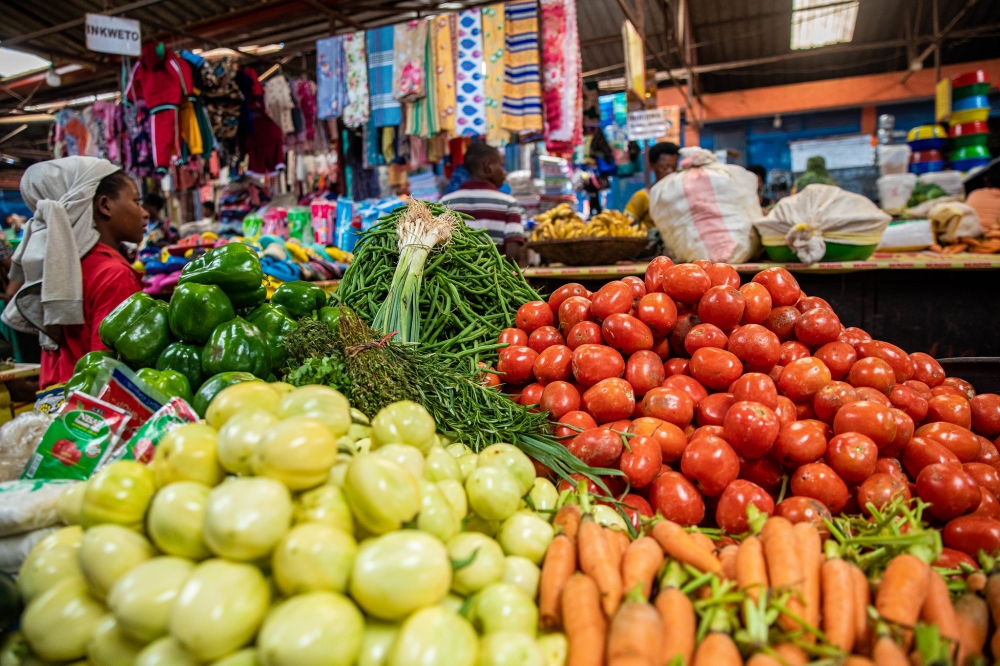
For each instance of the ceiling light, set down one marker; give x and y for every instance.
(818, 23)
(451, 5)
(13, 63)
(217, 53)
(262, 50)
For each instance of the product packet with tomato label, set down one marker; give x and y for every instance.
(77, 440)
(124, 389)
(143, 443)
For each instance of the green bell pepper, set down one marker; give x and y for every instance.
(185, 359)
(196, 309)
(170, 383)
(94, 359)
(275, 326)
(203, 398)
(236, 346)
(282, 309)
(300, 297)
(85, 373)
(234, 268)
(330, 315)
(138, 330)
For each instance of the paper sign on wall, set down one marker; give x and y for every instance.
(648, 124)
(110, 34)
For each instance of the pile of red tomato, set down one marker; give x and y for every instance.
(734, 395)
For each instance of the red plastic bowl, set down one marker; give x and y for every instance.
(970, 78)
(965, 129)
(918, 156)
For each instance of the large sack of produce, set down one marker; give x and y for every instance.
(18, 440)
(707, 210)
(29, 505)
(822, 221)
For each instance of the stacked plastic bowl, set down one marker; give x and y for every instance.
(969, 110)
(925, 143)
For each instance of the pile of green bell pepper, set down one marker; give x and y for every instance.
(234, 268)
(196, 309)
(300, 298)
(170, 383)
(138, 330)
(275, 326)
(236, 346)
(85, 373)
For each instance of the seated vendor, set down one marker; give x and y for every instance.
(663, 162)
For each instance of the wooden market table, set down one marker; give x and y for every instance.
(945, 305)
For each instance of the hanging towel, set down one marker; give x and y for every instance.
(522, 101)
(356, 63)
(442, 29)
(409, 77)
(422, 115)
(331, 77)
(470, 116)
(385, 108)
(493, 49)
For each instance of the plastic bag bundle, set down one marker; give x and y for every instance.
(18, 440)
(29, 505)
(14, 549)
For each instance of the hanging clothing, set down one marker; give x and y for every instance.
(163, 81)
(561, 82)
(356, 65)
(71, 136)
(384, 107)
(522, 101)
(422, 115)
(331, 77)
(104, 120)
(278, 102)
(493, 58)
(190, 131)
(305, 95)
(409, 43)
(442, 30)
(470, 116)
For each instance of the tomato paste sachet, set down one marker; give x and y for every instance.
(143, 443)
(125, 390)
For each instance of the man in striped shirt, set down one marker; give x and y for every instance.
(495, 212)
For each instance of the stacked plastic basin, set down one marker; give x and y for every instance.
(926, 143)
(969, 111)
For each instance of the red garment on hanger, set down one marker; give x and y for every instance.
(162, 82)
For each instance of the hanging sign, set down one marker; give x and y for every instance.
(942, 100)
(110, 34)
(648, 124)
(635, 62)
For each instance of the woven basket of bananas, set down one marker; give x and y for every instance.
(561, 236)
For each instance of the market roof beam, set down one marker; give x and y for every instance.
(334, 14)
(139, 4)
(935, 45)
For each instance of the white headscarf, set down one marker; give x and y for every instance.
(61, 194)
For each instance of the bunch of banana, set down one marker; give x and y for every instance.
(560, 223)
(613, 223)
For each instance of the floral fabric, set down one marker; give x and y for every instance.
(331, 77)
(561, 82)
(442, 30)
(409, 77)
(493, 56)
(470, 97)
(356, 64)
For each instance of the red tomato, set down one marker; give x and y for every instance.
(821, 483)
(868, 418)
(879, 489)
(689, 385)
(817, 327)
(544, 337)
(757, 303)
(897, 359)
(985, 413)
(686, 283)
(515, 364)
(596, 447)
(554, 364)
(802, 378)
(573, 423)
(592, 363)
(564, 292)
(677, 499)
(487, 375)
(641, 461)
(712, 410)
(799, 443)
(764, 472)
(988, 507)
(637, 285)
(626, 333)
(683, 326)
(792, 351)
(904, 433)
(989, 453)
(946, 390)
(609, 400)
(872, 395)
(905, 398)
(751, 428)
(874, 373)
(756, 387)
(618, 426)
(711, 464)
(644, 371)
(670, 438)
(804, 411)
(926, 369)
(676, 366)
(731, 511)
(960, 441)
(838, 356)
(921, 452)
(669, 404)
(532, 395)
(971, 534)
(923, 389)
(780, 284)
(830, 398)
(572, 311)
(615, 297)
(965, 387)
(985, 476)
(704, 335)
(584, 333)
(785, 411)
(781, 322)
(852, 456)
(715, 368)
(852, 335)
(533, 315)
(890, 466)
(951, 409)
(514, 337)
(950, 490)
(722, 306)
(757, 347)
(661, 347)
(658, 312)
(656, 273)
(803, 510)
(723, 275)
(807, 303)
(953, 559)
(560, 398)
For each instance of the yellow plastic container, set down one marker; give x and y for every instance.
(969, 116)
(926, 132)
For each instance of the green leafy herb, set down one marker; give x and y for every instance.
(327, 370)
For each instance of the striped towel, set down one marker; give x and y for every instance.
(522, 101)
(384, 107)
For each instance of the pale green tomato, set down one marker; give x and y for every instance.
(118, 493)
(555, 648)
(59, 622)
(441, 465)
(544, 497)
(381, 493)
(467, 464)
(281, 387)
(314, 629)
(165, 652)
(505, 607)
(110, 646)
(409, 457)
(397, 573)
(15, 652)
(321, 403)
(108, 552)
(257, 396)
(357, 432)
(527, 535)
(494, 493)
(404, 422)
(219, 609)
(53, 558)
(358, 417)
(436, 516)
(325, 504)
(70, 504)
(188, 453)
(454, 492)
(608, 517)
(244, 657)
(510, 648)
(453, 603)
(175, 519)
(457, 450)
(435, 635)
(378, 640)
(522, 572)
(298, 451)
(339, 470)
(363, 446)
(313, 557)
(487, 563)
(474, 523)
(245, 517)
(240, 436)
(511, 458)
(142, 599)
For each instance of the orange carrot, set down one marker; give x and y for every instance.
(862, 599)
(620, 542)
(838, 604)
(855, 660)
(751, 569)
(727, 556)
(679, 624)
(636, 631)
(568, 519)
(887, 653)
(810, 549)
(599, 560)
(640, 564)
(900, 597)
(784, 569)
(583, 621)
(761, 659)
(975, 582)
(992, 594)
(973, 625)
(559, 565)
(791, 654)
(703, 540)
(938, 609)
(682, 546)
(717, 650)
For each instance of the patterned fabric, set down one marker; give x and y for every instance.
(442, 31)
(561, 82)
(522, 95)
(470, 113)
(422, 115)
(493, 50)
(385, 108)
(409, 75)
(356, 64)
(278, 102)
(331, 77)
